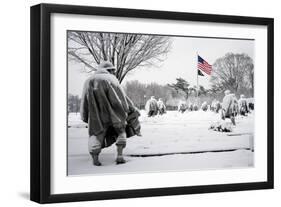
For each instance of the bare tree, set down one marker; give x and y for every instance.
(125, 51)
(202, 91)
(234, 72)
(182, 85)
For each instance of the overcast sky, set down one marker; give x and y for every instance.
(181, 62)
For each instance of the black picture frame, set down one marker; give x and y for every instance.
(40, 175)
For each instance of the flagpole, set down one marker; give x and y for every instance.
(197, 89)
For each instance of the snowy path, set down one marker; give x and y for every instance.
(172, 133)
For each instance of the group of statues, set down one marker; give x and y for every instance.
(154, 107)
(230, 106)
(241, 106)
(183, 106)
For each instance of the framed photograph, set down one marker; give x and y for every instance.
(132, 103)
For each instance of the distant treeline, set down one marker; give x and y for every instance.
(140, 93)
(73, 103)
(172, 94)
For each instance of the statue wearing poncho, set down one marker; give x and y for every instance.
(105, 107)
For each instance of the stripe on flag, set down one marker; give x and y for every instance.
(204, 66)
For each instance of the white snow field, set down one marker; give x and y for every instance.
(171, 142)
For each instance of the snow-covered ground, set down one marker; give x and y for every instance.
(171, 142)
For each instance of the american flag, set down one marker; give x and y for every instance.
(204, 66)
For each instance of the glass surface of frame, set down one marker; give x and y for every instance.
(207, 54)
